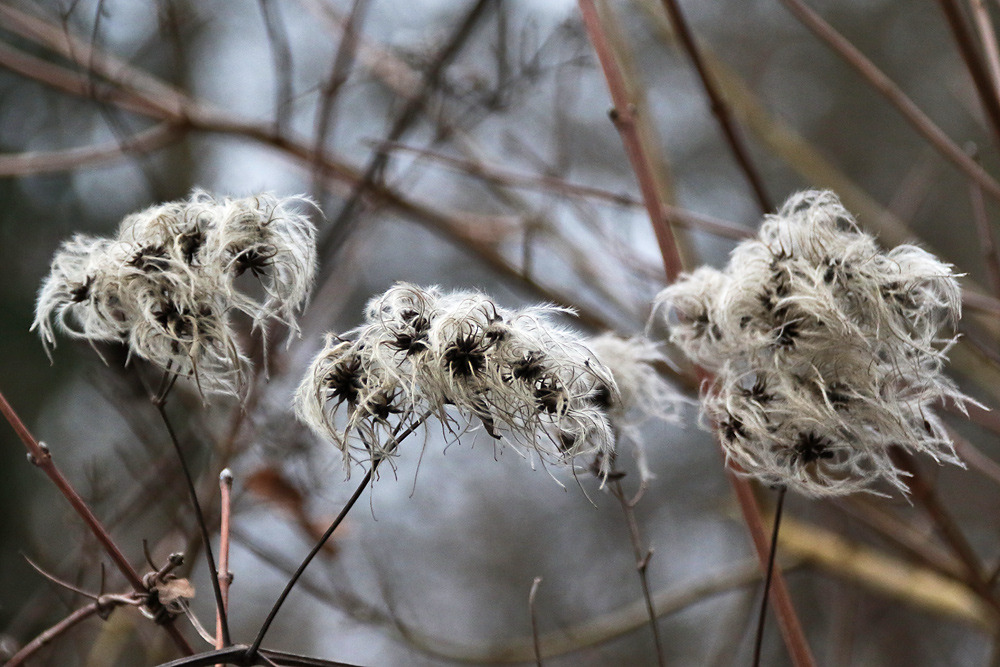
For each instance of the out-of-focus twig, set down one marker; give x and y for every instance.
(910, 111)
(720, 109)
(102, 607)
(988, 94)
(987, 239)
(988, 37)
(159, 136)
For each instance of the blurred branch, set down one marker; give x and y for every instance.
(988, 94)
(544, 182)
(159, 136)
(40, 456)
(915, 585)
(719, 107)
(344, 222)
(623, 116)
(910, 111)
(102, 607)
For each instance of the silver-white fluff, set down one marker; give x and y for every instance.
(825, 350)
(525, 380)
(166, 285)
(643, 393)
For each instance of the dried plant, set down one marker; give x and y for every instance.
(167, 284)
(826, 351)
(527, 381)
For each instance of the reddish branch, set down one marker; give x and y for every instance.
(40, 456)
(787, 618)
(623, 115)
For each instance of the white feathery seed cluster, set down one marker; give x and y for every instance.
(826, 350)
(643, 391)
(528, 382)
(167, 283)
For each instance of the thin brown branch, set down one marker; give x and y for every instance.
(623, 116)
(720, 109)
(344, 222)
(987, 239)
(988, 37)
(642, 557)
(925, 495)
(545, 182)
(102, 607)
(339, 73)
(39, 455)
(882, 83)
(988, 95)
(23, 164)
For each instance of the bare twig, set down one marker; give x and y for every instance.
(339, 74)
(534, 620)
(623, 116)
(39, 455)
(225, 576)
(389, 448)
(988, 36)
(147, 141)
(344, 222)
(159, 402)
(988, 94)
(720, 109)
(873, 75)
(102, 607)
(642, 557)
(987, 239)
(762, 616)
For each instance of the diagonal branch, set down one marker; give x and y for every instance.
(720, 109)
(40, 456)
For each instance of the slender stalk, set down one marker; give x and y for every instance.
(955, 16)
(225, 576)
(160, 401)
(987, 239)
(910, 111)
(102, 607)
(988, 37)
(623, 116)
(759, 641)
(641, 564)
(329, 532)
(534, 620)
(719, 107)
(40, 456)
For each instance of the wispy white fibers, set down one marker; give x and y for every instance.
(643, 393)
(826, 351)
(167, 284)
(525, 380)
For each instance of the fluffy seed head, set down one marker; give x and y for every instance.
(826, 351)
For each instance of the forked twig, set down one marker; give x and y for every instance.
(391, 447)
(40, 456)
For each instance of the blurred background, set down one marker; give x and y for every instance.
(469, 145)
